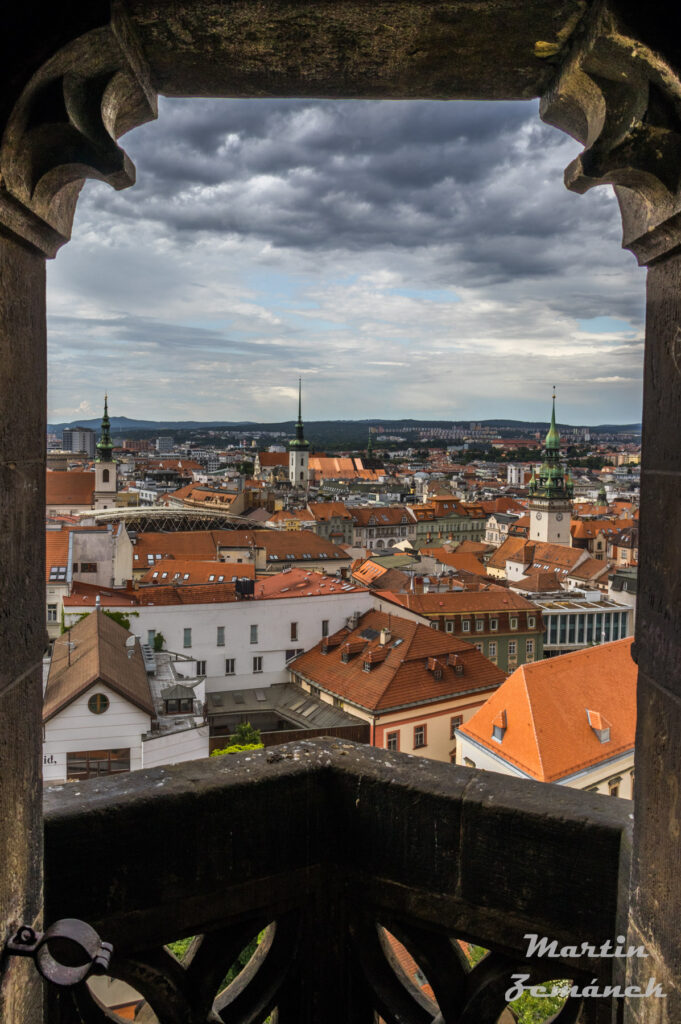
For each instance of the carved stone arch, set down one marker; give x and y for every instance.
(622, 100)
(63, 129)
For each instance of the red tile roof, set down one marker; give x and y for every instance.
(548, 735)
(402, 678)
(72, 488)
(186, 572)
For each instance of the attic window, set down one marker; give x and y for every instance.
(367, 666)
(210, 578)
(499, 725)
(600, 725)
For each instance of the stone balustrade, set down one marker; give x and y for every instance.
(327, 846)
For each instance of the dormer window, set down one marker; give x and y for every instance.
(367, 666)
(600, 725)
(499, 725)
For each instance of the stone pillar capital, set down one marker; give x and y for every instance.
(63, 130)
(622, 100)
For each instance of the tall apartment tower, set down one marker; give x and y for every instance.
(550, 502)
(106, 484)
(299, 451)
(79, 439)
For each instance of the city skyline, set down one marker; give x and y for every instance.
(408, 260)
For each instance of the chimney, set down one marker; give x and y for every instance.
(385, 637)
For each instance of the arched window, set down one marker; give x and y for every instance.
(105, 476)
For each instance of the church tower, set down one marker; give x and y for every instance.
(550, 502)
(299, 451)
(106, 484)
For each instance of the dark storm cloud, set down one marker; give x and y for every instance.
(339, 174)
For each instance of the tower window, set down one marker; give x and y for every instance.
(105, 476)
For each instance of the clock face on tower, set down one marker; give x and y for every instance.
(559, 516)
(538, 515)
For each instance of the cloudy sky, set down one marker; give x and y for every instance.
(417, 259)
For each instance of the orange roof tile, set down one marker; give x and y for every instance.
(71, 488)
(548, 734)
(183, 573)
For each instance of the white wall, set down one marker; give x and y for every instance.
(595, 778)
(76, 728)
(273, 619)
(171, 748)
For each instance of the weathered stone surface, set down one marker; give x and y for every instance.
(447, 50)
(476, 851)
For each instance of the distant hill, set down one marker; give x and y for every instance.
(122, 424)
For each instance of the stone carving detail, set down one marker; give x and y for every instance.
(64, 127)
(623, 102)
(268, 987)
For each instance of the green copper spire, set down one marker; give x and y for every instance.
(299, 441)
(105, 444)
(553, 437)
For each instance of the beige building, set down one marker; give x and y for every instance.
(414, 685)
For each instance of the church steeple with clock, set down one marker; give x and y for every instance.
(550, 502)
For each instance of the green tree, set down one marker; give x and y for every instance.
(159, 641)
(245, 733)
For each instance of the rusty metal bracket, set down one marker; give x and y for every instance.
(77, 941)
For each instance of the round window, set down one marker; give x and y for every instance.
(98, 703)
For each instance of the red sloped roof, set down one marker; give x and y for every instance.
(548, 735)
(402, 677)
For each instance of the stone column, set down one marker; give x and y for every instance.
(22, 612)
(619, 95)
(61, 127)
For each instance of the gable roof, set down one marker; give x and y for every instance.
(548, 735)
(182, 573)
(99, 655)
(400, 674)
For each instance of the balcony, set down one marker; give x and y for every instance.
(329, 843)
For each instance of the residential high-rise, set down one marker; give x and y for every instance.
(550, 502)
(299, 451)
(79, 439)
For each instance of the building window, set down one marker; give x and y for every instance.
(221, 636)
(51, 613)
(229, 666)
(419, 736)
(187, 637)
(529, 646)
(89, 764)
(105, 476)
(254, 634)
(454, 723)
(478, 647)
(514, 623)
(294, 630)
(325, 627)
(614, 787)
(257, 664)
(493, 624)
(530, 621)
(469, 764)
(479, 625)
(200, 668)
(392, 741)
(151, 636)
(98, 703)
(449, 626)
(314, 690)
(493, 649)
(466, 625)
(337, 702)
(512, 648)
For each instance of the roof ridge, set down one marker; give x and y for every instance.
(534, 729)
